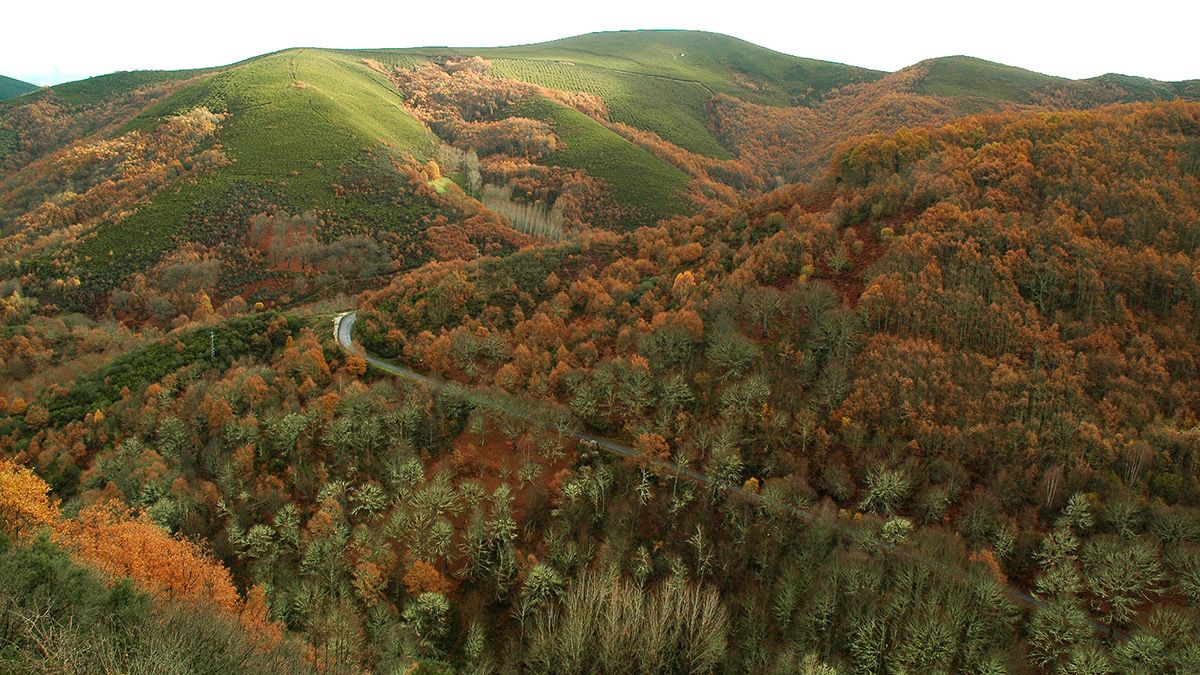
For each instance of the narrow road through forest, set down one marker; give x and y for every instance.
(343, 331)
(344, 327)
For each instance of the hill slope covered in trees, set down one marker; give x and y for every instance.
(938, 326)
(967, 328)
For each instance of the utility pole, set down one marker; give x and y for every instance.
(212, 346)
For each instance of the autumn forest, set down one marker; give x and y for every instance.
(668, 353)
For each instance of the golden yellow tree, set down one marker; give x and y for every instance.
(25, 502)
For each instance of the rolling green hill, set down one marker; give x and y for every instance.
(295, 114)
(677, 110)
(10, 88)
(93, 90)
(719, 62)
(969, 77)
(1145, 89)
(662, 80)
(296, 107)
(295, 124)
(659, 80)
(637, 177)
(293, 119)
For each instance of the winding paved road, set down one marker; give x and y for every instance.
(343, 331)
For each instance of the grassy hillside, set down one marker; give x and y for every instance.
(969, 76)
(721, 63)
(293, 117)
(10, 88)
(637, 177)
(89, 92)
(659, 81)
(1146, 89)
(445, 92)
(299, 106)
(296, 127)
(674, 109)
(663, 80)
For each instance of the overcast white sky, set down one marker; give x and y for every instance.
(47, 42)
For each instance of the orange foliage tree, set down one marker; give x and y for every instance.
(423, 578)
(112, 539)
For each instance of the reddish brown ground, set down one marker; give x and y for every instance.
(849, 284)
(488, 459)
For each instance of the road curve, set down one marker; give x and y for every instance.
(343, 331)
(344, 327)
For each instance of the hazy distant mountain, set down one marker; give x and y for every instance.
(10, 88)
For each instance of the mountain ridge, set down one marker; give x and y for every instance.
(622, 127)
(11, 87)
(578, 44)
